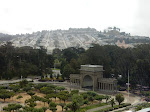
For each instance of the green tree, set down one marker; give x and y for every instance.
(60, 88)
(6, 94)
(15, 88)
(112, 102)
(44, 100)
(52, 106)
(23, 83)
(74, 106)
(78, 98)
(62, 105)
(91, 98)
(74, 92)
(19, 97)
(99, 98)
(12, 107)
(107, 98)
(67, 70)
(63, 95)
(119, 98)
(31, 93)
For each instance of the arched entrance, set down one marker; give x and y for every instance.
(88, 82)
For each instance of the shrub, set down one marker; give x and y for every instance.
(18, 97)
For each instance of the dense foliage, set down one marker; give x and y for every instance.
(51, 96)
(24, 61)
(116, 61)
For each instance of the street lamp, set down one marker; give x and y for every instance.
(120, 76)
(128, 84)
(20, 63)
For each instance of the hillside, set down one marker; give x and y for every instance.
(73, 37)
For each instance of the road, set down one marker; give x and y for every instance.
(12, 81)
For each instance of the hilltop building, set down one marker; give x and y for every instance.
(123, 44)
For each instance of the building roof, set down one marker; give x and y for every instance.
(110, 80)
(77, 76)
(92, 68)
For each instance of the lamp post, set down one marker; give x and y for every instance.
(20, 63)
(128, 84)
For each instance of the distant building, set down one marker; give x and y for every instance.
(122, 44)
(91, 77)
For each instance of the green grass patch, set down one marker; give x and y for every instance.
(93, 106)
(55, 69)
(114, 107)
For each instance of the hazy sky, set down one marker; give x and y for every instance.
(26, 16)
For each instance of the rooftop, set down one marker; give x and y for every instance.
(92, 66)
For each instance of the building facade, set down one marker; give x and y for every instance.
(91, 77)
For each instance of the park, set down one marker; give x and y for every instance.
(26, 96)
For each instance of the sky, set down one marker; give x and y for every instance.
(27, 16)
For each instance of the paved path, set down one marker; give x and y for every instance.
(98, 108)
(12, 81)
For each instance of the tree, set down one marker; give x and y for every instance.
(67, 70)
(91, 98)
(74, 65)
(47, 90)
(62, 105)
(52, 106)
(74, 106)
(15, 88)
(119, 98)
(6, 94)
(112, 102)
(44, 100)
(27, 88)
(69, 53)
(77, 98)
(31, 93)
(60, 88)
(63, 95)
(91, 93)
(84, 95)
(19, 97)
(44, 109)
(12, 107)
(99, 98)
(74, 92)
(31, 102)
(23, 83)
(107, 98)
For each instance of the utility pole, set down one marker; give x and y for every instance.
(93, 84)
(128, 84)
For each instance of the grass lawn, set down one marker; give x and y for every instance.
(55, 69)
(94, 106)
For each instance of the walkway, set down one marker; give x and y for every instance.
(12, 81)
